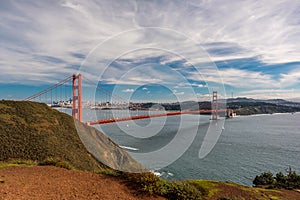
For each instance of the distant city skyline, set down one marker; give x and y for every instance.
(253, 45)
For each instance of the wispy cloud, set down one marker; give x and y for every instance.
(43, 41)
(179, 93)
(128, 90)
(236, 78)
(176, 92)
(291, 78)
(272, 94)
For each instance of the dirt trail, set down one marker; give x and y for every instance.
(57, 183)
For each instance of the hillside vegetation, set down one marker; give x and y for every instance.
(289, 181)
(33, 131)
(241, 106)
(250, 108)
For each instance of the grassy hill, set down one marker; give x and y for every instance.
(250, 108)
(33, 131)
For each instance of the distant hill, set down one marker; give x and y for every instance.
(283, 102)
(250, 108)
(239, 99)
(240, 105)
(34, 131)
(273, 101)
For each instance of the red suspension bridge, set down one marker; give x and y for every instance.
(68, 94)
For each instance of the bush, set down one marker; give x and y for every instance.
(281, 181)
(265, 178)
(22, 162)
(110, 172)
(293, 180)
(57, 162)
(148, 183)
(183, 190)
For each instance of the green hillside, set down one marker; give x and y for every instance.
(34, 131)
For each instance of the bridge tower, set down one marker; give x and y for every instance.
(215, 106)
(77, 97)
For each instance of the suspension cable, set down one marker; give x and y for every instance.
(48, 89)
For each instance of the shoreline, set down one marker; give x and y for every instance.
(268, 114)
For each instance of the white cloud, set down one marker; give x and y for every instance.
(198, 85)
(201, 86)
(204, 97)
(268, 29)
(43, 41)
(236, 78)
(189, 85)
(249, 79)
(272, 94)
(179, 93)
(128, 90)
(291, 78)
(176, 92)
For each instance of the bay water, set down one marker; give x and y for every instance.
(247, 146)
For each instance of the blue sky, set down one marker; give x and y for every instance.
(252, 48)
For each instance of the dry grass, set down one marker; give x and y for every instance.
(33, 131)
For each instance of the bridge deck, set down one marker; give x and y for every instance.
(113, 120)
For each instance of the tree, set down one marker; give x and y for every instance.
(265, 178)
(281, 180)
(289, 181)
(293, 180)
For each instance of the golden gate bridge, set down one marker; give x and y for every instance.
(68, 93)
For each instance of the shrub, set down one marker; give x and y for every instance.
(289, 181)
(265, 178)
(110, 172)
(183, 190)
(148, 183)
(22, 162)
(281, 180)
(57, 162)
(293, 180)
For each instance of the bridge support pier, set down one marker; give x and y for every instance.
(215, 106)
(77, 97)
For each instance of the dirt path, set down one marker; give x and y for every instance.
(56, 183)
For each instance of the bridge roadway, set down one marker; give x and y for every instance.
(113, 120)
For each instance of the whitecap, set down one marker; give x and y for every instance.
(156, 173)
(170, 174)
(129, 148)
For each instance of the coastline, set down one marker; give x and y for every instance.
(267, 114)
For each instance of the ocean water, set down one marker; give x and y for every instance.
(247, 146)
